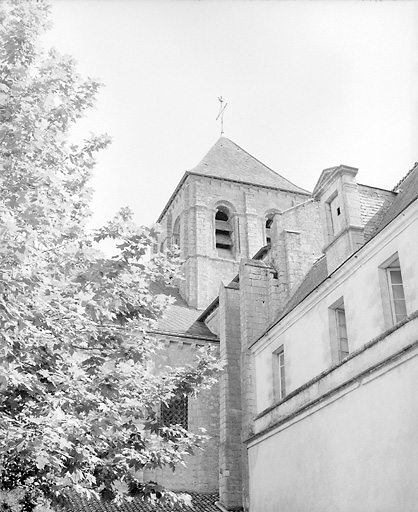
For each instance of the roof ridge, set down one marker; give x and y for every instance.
(228, 161)
(396, 187)
(263, 164)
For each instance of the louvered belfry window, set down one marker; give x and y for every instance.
(269, 222)
(176, 412)
(223, 229)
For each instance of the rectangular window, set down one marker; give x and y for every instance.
(338, 335)
(396, 292)
(279, 375)
(176, 412)
(343, 350)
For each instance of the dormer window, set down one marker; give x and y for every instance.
(333, 211)
(176, 232)
(335, 214)
(223, 232)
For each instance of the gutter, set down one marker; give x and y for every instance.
(195, 337)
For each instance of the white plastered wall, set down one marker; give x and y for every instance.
(305, 332)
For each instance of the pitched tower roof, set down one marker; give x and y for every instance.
(227, 161)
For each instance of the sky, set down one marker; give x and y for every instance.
(308, 85)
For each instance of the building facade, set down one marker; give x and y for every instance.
(312, 300)
(335, 425)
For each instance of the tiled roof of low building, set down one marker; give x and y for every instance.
(226, 160)
(179, 318)
(200, 503)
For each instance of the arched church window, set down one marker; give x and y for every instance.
(176, 412)
(269, 223)
(176, 232)
(223, 229)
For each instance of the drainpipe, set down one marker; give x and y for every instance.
(220, 506)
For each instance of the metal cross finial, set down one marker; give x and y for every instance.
(221, 113)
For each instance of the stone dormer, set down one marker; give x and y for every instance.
(343, 229)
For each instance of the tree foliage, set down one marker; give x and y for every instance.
(78, 397)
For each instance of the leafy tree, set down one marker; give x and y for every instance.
(77, 394)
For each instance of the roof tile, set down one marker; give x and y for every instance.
(226, 160)
(375, 218)
(407, 193)
(373, 204)
(200, 503)
(179, 318)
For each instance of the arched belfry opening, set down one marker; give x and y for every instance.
(268, 225)
(223, 232)
(176, 233)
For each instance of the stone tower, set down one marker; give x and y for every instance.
(221, 213)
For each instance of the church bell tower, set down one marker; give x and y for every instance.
(221, 212)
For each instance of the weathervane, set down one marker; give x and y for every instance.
(221, 113)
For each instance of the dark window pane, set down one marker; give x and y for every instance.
(396, 276)
(398, 292)
(400, 309)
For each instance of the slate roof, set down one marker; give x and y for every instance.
(227, 160)
(407, 193)
(200, 503)
(373, 205)
(392, 205)
(316, 275)
(179, 318)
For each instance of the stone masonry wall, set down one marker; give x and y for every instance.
(258, 297)
(231, 447)
(201, 471)
(248, 206)
(297, 241)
